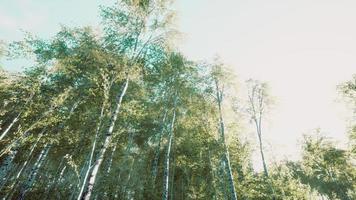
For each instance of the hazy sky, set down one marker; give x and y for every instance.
(302, 48)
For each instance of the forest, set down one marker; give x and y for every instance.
(120, 113)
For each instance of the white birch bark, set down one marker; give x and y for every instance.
(107, 141)
(55, 180)
(34, 171)
(109, 165)
(15, 119)
(158, 149)
(92, 152)
(10, 126)
(19, 173)
(13, 147)
(226, 159)
(7, 164)
(111, 159)
(257, 104)
(29, 156)
(61, 175)
(167, 161)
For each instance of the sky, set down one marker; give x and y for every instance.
(303, 49)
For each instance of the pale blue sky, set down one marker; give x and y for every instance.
(303, 48)
(44, 16)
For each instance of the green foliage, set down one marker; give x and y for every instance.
(326, 168)
(71, 93)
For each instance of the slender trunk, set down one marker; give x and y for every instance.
(57, 184)
(61, 175)
(259, 134)
(55, 180)
(128, 181)
(15, 144)
(10, 126)
(123, 171)
(15, 119)
(263, 158)
(7, 165)
(10, 177)
(8, 161)
(172, 180)
(98, 162)
(29, 156)
(13, 148)
(58, 181)
(226, 158)
(167, 161)
(25, 163)
(230, 176)
(34, 171)
(111, 159)
(265, 169)
(92, 152)
(126, 153)
(158, 149)
(109, 166)
(26, 133)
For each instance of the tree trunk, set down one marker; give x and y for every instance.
(109, 166)
(158, 149)
(92, 152)
(226, 158)
(259, 135)
(10, 126)
(167, 161)
(263, 157)
(111, 159)
(34, 171)
(98, 162)
(258, 123)
(230, 176)
(13, 185)
(15, 119)
(125, 159)
(29, 156)
(125, 192)
(172, 180)
(26, 133)
(55, 180)
(7, 165)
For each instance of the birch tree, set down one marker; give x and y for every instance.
(219, 89)
(168, 154)
(259, 103)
